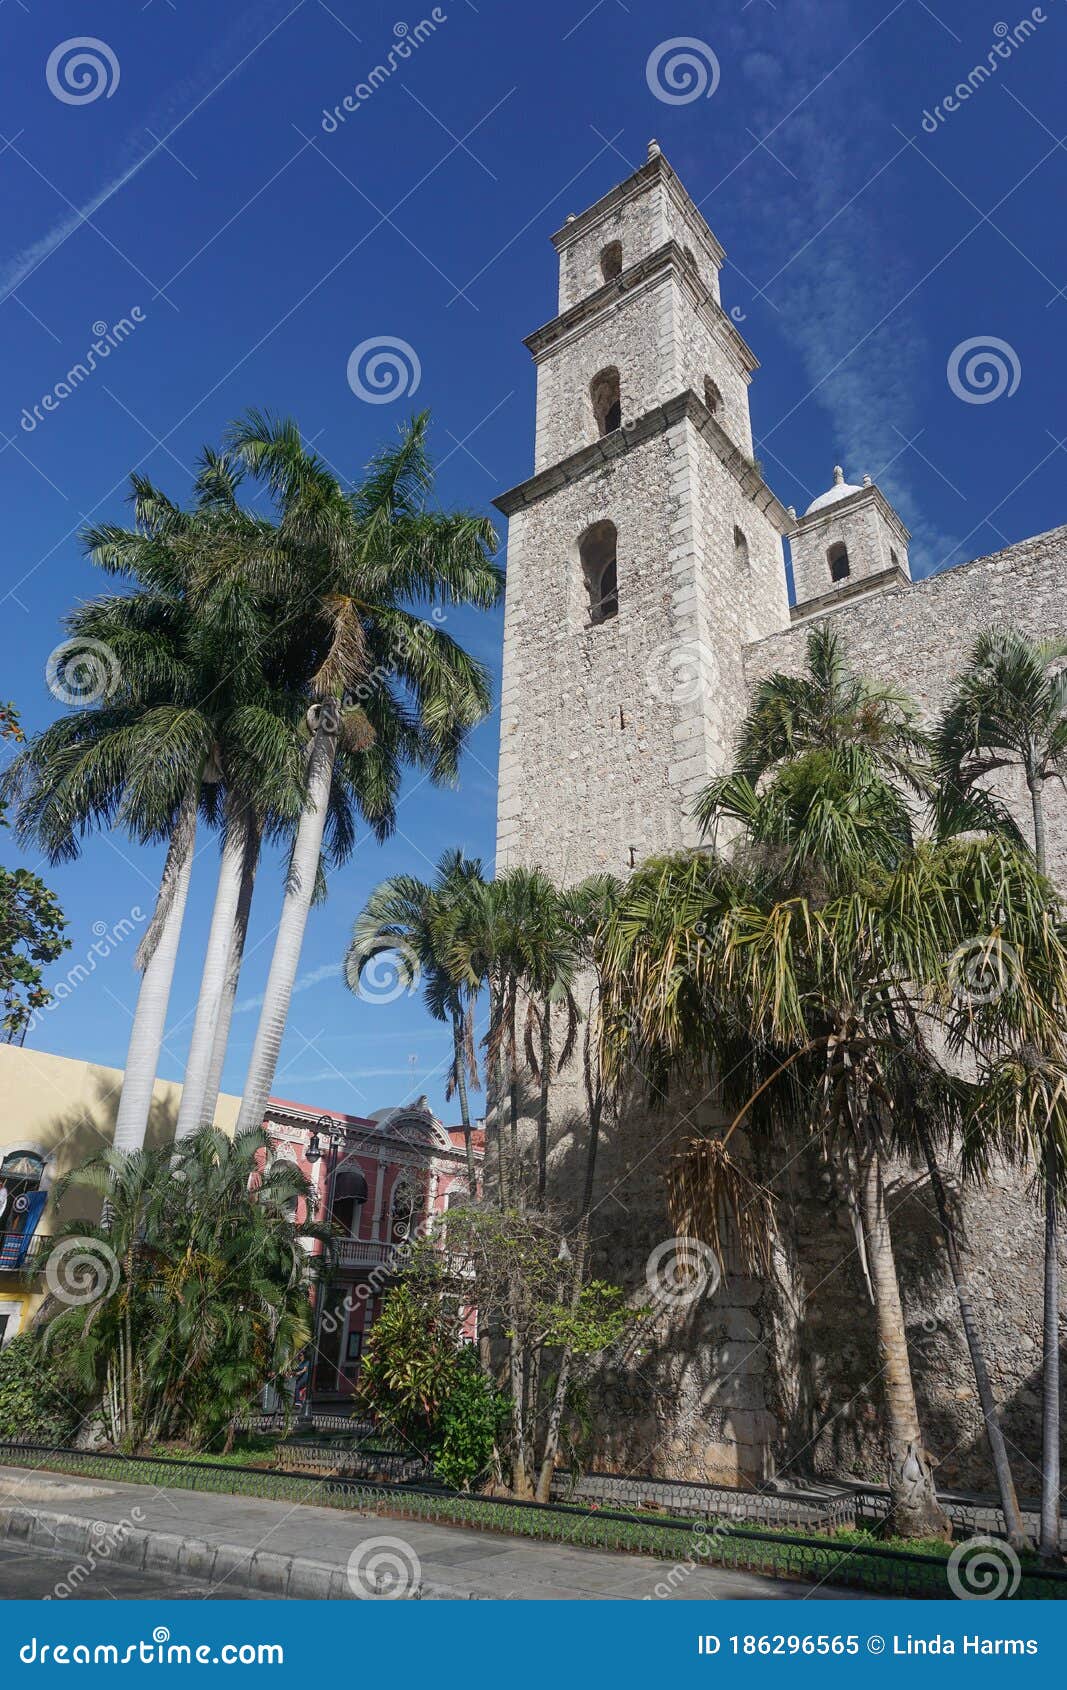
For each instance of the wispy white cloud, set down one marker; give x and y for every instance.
(819, 226)
(248, 32)
(314, 977)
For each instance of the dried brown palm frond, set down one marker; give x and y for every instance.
(711, 1197)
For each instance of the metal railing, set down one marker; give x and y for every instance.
(363, 1252)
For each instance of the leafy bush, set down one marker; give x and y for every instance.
(40, 1400)
(469, 1423)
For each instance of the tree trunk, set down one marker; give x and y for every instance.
(542, 1108)
(1050, 1385)
(1049, 1540)
(554, 1423)
(213, 981)
(249, 864)
(299, 891)
(520, 1465)
(914, 1508)
(459, 1053)
(1009, 1501)
(594, 1094)
(149, 1017)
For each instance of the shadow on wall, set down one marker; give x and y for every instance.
(825, 1388)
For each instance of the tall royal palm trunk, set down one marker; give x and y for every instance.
(1049, 1541)
(914, 1508)
(249, 864)
(159, 950)
(216, 971)
(299, 891)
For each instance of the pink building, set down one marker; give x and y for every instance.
(380, 1180)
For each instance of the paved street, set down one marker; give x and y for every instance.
(361, 1550)
(32, 1575)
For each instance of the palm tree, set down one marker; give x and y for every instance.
(192, 706)
(387, 687)
(408, 918)
(194, 1295)
(1009, 709)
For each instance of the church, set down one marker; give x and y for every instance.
(647, 593)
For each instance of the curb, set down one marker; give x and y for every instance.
(100, 1542)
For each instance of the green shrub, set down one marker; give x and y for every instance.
(468, 1425)
(40, 1400)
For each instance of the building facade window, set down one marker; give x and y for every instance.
(741, 557)
(606, 396)
(598, 551)
(611, 261)
(712, 397)
(837, 558)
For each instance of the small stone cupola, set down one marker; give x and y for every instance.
(850, 541)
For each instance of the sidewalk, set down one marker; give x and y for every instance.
(283, 1549)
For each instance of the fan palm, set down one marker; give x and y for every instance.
(388, 688)
(1009, 709)
(408, 918)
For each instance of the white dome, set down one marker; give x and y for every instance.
(841, 489)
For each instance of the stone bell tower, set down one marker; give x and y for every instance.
(644, 552)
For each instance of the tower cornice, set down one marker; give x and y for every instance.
(668, 258)
(656, 169)
(683, 406)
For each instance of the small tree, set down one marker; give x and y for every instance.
(534, 1301)
(31, 928)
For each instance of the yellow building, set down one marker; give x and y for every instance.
(55, 1112)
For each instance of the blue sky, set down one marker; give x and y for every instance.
(260, 249)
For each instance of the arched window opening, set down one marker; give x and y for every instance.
(689, 254)
(349, 1196)
(597, 550)
(712, 397)
(893, 558)
(611, 261)
(607, 401)
(837, 557)
(741, 557)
